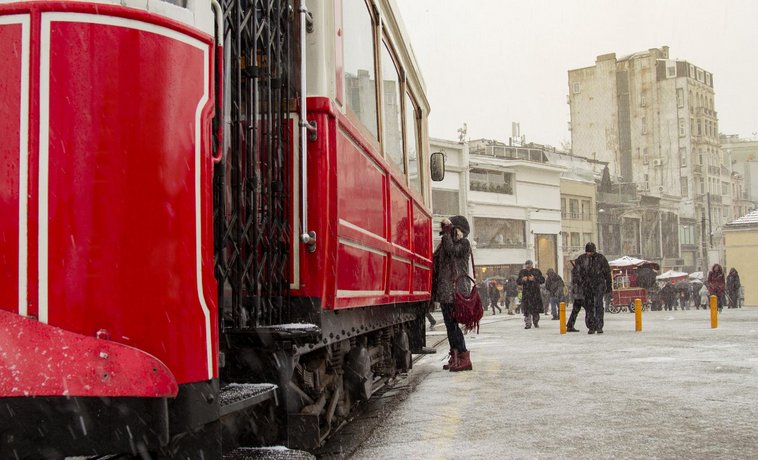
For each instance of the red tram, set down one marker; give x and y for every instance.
(215, 218)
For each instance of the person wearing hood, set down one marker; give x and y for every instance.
(596, 278)
(554, 285)
(716, 284)
(530, 278)
(703, 297)
(450, 261)
(733, 287)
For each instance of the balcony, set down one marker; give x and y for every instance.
(697, 169)
(705, 112)
(568, 215)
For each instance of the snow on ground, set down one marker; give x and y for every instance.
(678, 389)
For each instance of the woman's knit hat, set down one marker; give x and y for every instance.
(462, 223)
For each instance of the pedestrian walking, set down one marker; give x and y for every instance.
(577, 295)
(596, 282)
(494, 296)
(733, 287)
(530, 278)
(741, 296)
(717, 284)
(451, 259)
(554, 285)
(668, 295)
(511, 292)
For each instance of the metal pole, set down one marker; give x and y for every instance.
(562, 316)
(637, 315)
(710, 222)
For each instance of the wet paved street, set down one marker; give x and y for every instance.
(678, 389)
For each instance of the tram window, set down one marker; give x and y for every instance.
(392, 138)
(411, 144)
(360, 75)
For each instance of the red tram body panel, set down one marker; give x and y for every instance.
(118, 211)
(379, 241)
(136, 215)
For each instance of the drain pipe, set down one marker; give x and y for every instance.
(308, 237)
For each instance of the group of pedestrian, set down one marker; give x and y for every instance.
(591, 284)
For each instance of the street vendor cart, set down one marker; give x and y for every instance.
(632, 278)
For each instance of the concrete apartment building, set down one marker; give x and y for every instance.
(511, 197)
(744, 158)
(653, 120)
(578, 206)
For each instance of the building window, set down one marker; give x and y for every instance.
(670, 69)
(574, 209)
(360, 76)
(700, 75)
(577, 87)
(682, 157)
(483, 180)
(687, 234)
(585, 209)
(682, 127)
(643, 101)
(445, 202)
(575, 241)
(644, 125)
(499, 233)
(586, 237)
(680, 97)
(708, 79)
(725, 188)
(692, 71)
(685, 189)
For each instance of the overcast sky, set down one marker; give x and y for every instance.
(491, 62)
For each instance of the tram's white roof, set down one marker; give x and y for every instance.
(196, 13)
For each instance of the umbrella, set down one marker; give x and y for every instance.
(671, 275)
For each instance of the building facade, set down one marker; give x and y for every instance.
(653, 120)
(511, 197)
(741, 252)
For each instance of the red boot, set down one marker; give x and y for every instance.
(452, 361)
(464, 362)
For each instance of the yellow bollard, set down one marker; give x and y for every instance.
(714, 312)
(562, 316)
(637, 315)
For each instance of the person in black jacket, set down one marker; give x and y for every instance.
(733, 287)
(554, 286)
(450, 265)
(530, 278)
(494, 295)
(577, 296)
(596, 280)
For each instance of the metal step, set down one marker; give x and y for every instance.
(239, 396)
(267, 453)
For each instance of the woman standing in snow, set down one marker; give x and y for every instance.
(450, 261)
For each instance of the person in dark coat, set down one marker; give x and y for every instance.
(733, 287)
(530, 278)
(494, 296)
(451, 259)
(596, 280)
(716, 284)
(668, 295)
(577, 296)
(554, 285)
(511, 292)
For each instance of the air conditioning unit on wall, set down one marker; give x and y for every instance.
(657, 162)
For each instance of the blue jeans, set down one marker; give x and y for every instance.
(454, 333)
